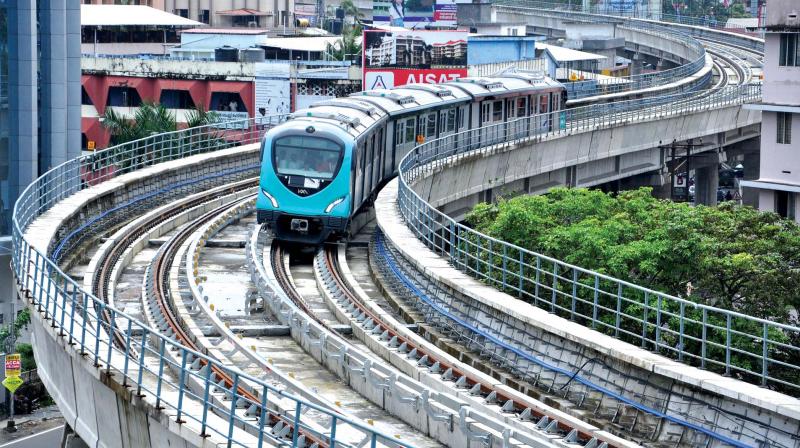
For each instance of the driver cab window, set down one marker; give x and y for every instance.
(314, 157)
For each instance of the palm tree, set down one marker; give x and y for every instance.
(147, 124)
(350, 9)
(345, 48)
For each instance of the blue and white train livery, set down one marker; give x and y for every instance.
(325, 163)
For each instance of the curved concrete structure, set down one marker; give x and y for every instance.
(102, 398)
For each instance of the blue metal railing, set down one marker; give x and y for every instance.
(247, 416)
(756, 350)
(683, 35)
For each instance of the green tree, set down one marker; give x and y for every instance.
(11, 331)
(730, 256)
(145, 129)
(345, 49)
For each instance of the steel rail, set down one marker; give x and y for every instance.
(163, 263)
(510, 403)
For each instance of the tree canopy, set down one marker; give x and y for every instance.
(730, 256)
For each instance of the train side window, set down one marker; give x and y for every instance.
(511, 111)
(543, 104)
(462, 117)
(497, 111)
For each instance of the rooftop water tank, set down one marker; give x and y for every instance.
(226, 54)
(252, 54)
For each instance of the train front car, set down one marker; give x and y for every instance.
(305, 180)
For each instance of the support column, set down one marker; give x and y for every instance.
(53, 74)
(73, 22)
(706, 181)
(23, 141)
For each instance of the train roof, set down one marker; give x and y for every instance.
(414, 97)
(360, 111)
(355, 118)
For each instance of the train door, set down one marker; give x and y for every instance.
(462, 124)
(389, 145)
(405, 137)
(426, 127)
(544, 112)
(491, 122)
(380, 150)
(369, 155)
(447, 127)
(519, 126)
(358, 174)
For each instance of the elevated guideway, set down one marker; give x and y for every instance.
(123, 382)
(528, 313)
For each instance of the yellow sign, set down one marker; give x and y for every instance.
(12, 383)
(13, 364)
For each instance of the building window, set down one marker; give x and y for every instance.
(784, 204)
(176, 99)
(784, 128)
(182, 12)
(204, 16)
(790, 50)
(123, 96)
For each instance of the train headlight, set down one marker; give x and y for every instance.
(334, 204)
(271, 199)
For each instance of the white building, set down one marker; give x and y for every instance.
(779, 182)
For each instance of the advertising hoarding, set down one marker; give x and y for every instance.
(272, 90)
(393, 59)
(415, 14)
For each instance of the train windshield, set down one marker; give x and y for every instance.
(300, 155)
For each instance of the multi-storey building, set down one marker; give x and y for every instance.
(452, 52)
(226, 13)
(40, 98)
(779, 182)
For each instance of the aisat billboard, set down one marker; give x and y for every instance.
(393, 59)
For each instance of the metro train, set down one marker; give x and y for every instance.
(321, 166)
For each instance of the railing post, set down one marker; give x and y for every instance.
(704, 337)
(658, 322)
(262, 418)
(127, 353)
(765, 355)
(296, 428)
(574, 292)
(681, 323)
(644, 318)
(143, 349)
(521, 271)
(206, 393)
(232, 415)
(619, 310)
(555, 288)
(161, 348)
(536, 280)
(181, 385)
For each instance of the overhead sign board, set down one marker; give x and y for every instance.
(392, 59)
(416, 14)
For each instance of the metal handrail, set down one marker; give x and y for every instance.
(690, 332)
(82, 318)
